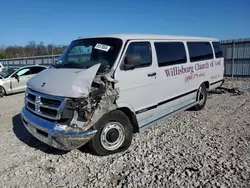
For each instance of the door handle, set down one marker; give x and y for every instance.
(152, 74)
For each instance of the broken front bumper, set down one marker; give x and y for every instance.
(53, 134)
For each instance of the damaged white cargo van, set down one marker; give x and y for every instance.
(103, 89)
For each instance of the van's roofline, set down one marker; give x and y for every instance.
(152, 37)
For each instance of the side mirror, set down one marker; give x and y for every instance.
(104, 66)
(17, 77)
(131, 61)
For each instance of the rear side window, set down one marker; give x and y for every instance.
(35, 70)
(170, 53)
(24, 72)
(217, 50)
(199, 51)
(143, 49)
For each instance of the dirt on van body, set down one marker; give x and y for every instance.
(210, 148)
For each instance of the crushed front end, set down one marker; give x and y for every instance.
(68, 123)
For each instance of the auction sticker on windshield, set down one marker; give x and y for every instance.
(102, 47)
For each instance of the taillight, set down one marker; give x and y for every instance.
(224, 62)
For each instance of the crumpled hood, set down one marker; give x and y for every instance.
(73, 83)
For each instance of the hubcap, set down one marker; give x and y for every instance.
(112, 136)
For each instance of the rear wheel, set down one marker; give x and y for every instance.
(114, 134)
(201, 97)
(2, 92)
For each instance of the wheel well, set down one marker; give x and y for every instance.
(3, 89)
(206, 84)
(131, 117)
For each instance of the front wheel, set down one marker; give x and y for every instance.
(2, 92)
(201, 97)
(114, 134)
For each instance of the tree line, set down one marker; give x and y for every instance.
(31, 49)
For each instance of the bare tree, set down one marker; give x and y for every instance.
(31, 49)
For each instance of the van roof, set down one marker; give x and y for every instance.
(153, 37)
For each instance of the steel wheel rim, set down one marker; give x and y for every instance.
(201, 95)
(116, 127)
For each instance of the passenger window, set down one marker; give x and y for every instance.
(35, 70)
(170, 53)
(24, 72)
(217, 50)
(142, 49)
(199, 51)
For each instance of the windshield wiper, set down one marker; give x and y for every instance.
(55, 65)
(60, 65)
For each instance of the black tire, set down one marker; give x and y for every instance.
(2, 92)
(202, 92)
(96, 144)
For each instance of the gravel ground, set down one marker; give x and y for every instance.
(210, 148)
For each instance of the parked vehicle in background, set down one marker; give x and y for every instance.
(1, 67)
(103, 89)
(14, 79)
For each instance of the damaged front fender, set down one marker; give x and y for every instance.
(89, 97)
(101, 100)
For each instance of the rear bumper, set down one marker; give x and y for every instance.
(58, 136)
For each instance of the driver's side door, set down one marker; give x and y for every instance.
(18, 81)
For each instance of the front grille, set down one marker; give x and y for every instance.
(31, 97)
(31, 105)
(48, 111)
(44, 105)
(51, 102)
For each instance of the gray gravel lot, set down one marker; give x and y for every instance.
(210, 148)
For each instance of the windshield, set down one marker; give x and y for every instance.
(85, 53)
(7, 72)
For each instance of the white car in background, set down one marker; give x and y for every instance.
(14, 79)
(1, 67)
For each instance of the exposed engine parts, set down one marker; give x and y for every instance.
(86, 111)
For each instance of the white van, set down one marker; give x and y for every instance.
(105, 88)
